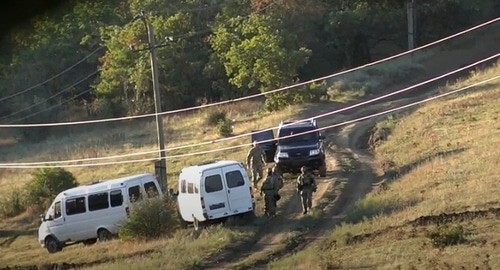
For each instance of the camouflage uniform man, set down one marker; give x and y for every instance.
(256, 161)
(278, 180)
(270, 188)
(306, 186)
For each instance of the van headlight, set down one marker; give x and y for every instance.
(283, 154)
(314, 152)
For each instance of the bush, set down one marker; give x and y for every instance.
(446, 235)
(225, 127)
(150, 218)
(46, 184)
(12, 204)
(214, 117)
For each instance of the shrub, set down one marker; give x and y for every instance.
(46, 184)
(446, 235)
(225, 127)
(150, 218)
(214, 117)
(12, 204)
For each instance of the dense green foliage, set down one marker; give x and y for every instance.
(46, 184)
(208, 51)
(150, 218)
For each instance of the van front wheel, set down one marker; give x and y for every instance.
(104, 235)
(52, 245)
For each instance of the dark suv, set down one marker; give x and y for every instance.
(303, 150)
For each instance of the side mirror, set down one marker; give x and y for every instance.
(322, 136)
(42, 217)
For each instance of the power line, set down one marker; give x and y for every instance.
(255, 95)
(273, 128)
(54, 106)
(56, 94)
(36, 164)
(53, 77)
(248, 144)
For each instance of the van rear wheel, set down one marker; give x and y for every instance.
(104, 235)
(89, 242)
(52, 245)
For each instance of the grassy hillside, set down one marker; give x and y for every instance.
(441, 172)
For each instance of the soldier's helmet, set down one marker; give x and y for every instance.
(255, 143)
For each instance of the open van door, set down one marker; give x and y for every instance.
(269, 147)
(238, 189)
(215, 196)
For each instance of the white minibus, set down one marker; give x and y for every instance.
(90, 212)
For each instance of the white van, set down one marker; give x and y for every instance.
(91, 212)
(214, 190)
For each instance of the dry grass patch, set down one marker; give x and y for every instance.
(446, 161)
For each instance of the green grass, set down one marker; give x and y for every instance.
(447, 158)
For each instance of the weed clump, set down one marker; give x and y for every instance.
(215, 117)
(150, 218)
(46, 184)
(12, 204)
(225, 127)
(446, 235)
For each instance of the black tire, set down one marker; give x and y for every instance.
(322, 170)
(52, 245)
(89, 242)
(104, 235)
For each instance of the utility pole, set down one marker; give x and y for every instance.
(161, 165)
(412, 25)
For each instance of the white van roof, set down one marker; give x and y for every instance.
(102, 186)
(210, 165)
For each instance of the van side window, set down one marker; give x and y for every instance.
(234, 179)
(190, 188)
(196, 189)
(116, 198)
(98, 201)
(75, 206)
(151, 189)
(183, 186)
(213, 183)
(57, 210)
(134, 193)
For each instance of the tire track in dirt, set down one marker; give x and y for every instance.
(272, 244)
(272, 235)
(359, 183)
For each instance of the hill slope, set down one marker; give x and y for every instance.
(440, 179)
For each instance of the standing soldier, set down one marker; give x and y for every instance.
(270, 188)
(256, 161)
(278, 180)
(306, 186)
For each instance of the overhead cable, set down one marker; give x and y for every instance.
(8, 165)
(274, 127)
(255, 95)
(53, 77)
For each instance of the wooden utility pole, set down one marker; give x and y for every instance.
(161, 164)
(412, 25)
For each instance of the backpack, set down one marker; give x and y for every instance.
(306, 180)
(268, 184)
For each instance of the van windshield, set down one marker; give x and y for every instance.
(311, 137)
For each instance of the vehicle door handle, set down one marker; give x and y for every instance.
(228, 191)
